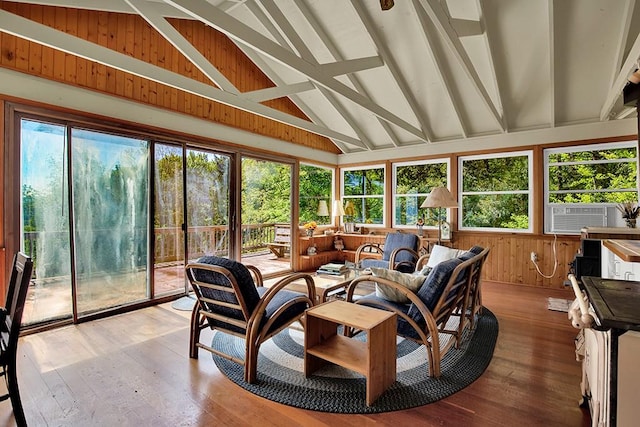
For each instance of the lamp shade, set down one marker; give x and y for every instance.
(338, 210)
(323, 209)
(349, 209)
(440, 197)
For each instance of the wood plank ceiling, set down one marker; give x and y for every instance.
(422, 72)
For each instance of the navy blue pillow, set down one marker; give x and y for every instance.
(433, 286)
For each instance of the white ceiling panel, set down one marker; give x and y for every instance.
(424, 72)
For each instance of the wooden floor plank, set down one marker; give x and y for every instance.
(133, 370)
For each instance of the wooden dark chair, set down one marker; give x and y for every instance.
(399, 252)
(11, 318)
(232, 299)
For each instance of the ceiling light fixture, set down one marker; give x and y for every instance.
(386, 4)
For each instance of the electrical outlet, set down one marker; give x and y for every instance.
(534, 257)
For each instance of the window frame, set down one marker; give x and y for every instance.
(529, 192)
(610, 207)
(383, 196)
(394, 195)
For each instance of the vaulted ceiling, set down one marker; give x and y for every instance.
(420, 73)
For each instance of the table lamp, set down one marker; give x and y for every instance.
(338, 210)
(440, 197)
(323, 209)
(349, 211)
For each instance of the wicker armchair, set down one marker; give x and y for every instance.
(400, 252)
(449, 290)
(232, 299)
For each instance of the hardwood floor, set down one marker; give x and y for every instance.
(134, 370)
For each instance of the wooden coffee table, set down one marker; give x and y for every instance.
(375, 358)
(327, 286)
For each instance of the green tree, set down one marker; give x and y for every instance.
(314, 185)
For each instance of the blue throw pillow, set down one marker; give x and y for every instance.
(433, 286)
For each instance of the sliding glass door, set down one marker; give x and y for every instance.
(168, 222)
(44, 219)
(208, 184)
(266, 205)
(84, 219)
(110, 219)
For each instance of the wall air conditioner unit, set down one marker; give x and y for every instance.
(573, 219)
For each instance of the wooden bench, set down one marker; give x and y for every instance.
(281, 242)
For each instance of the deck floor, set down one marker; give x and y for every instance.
(51, 299)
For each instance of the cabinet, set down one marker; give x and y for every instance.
(375, 359)
(325, 252)
(619, 260)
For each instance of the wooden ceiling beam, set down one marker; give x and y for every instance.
(394, 69)
(245, 34)
(150, 14)
(24, 28)
(305, 53)
(441, 21)
(621, 80)
(335, 53)
(444, 78)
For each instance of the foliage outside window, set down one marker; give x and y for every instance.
(412, 184)
(315, 185)
(364, 190)
(603, 173)
(495, 191)
(266, 192)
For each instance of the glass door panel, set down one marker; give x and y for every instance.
(266, 204)
(44, 219)
(169, 256)
(110, 216)
(208, 184)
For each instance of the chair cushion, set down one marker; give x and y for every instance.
(242, 276)
(400, 240)
(442, 253)
(410, 281)
(372, 262)
(279, 299)
(403, 328)
(476, 250)
(433, 286)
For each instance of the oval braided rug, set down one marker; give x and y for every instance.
(339, 390)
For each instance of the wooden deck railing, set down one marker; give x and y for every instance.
(169, 241)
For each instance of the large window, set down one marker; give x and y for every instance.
(583, 184)
(363, 195)
(412, 184)
(603, 173)
(315, 186)
(495, 191)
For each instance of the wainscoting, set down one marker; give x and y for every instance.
(510, 257)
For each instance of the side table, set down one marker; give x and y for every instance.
(375, 358)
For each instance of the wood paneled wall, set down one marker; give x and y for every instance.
(131, 35)
(509, 260)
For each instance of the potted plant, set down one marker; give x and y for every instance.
(630, 212)
(310, 227)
